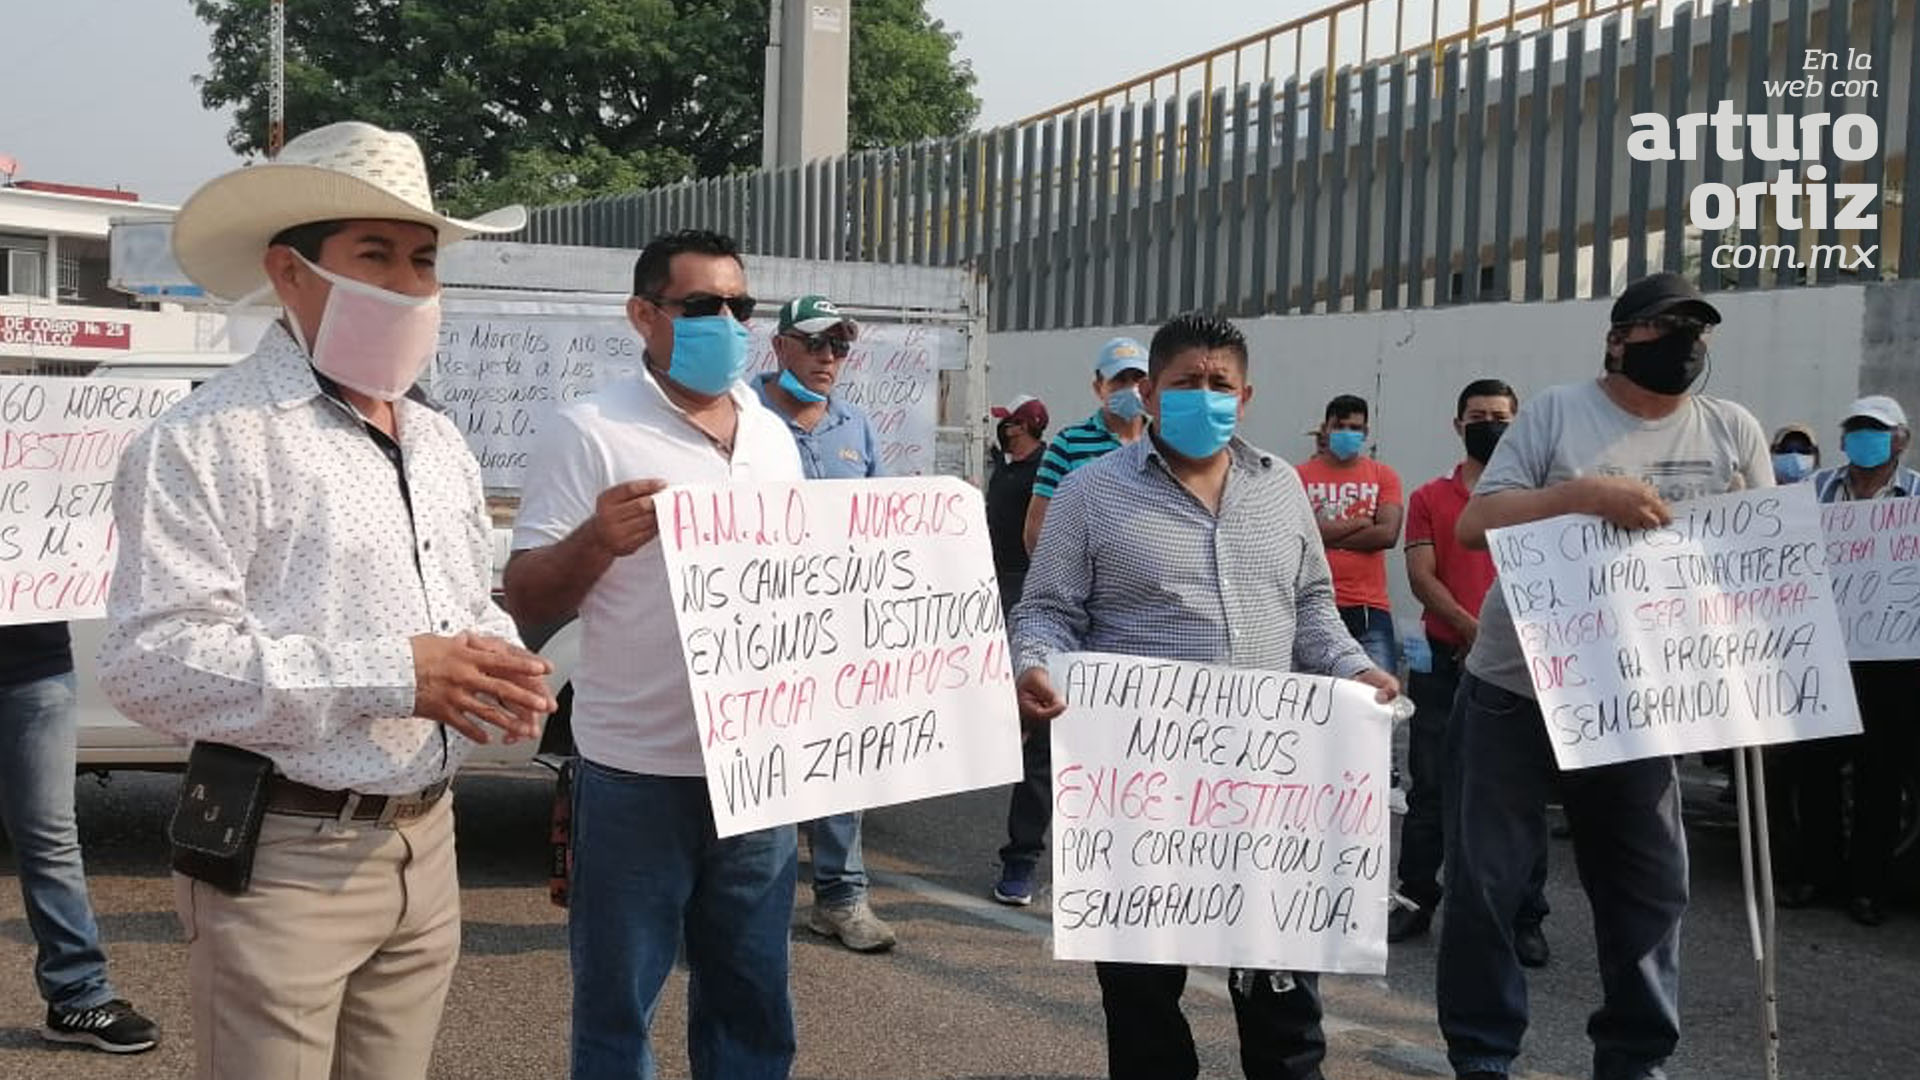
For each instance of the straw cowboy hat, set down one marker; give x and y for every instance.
(345, 171)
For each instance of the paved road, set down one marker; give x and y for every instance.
(971, 993)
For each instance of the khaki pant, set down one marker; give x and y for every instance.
(335, 963)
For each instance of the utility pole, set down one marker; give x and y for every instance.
(804, 117)
(277, 78)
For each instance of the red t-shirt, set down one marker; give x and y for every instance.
(1355, 490)
(1431, 515)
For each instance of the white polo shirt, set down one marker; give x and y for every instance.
(632, 708)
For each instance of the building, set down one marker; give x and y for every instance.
(60, 313)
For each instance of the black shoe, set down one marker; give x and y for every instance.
(1865, 910)
(1483, 1075)
(1405, 923)
(1530, 945)
(114, 1027)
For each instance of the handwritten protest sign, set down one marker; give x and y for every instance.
(1873, 556)
(844, 642)
(1716, 631)
(1206, 815)
(500, 373)
(60, 441)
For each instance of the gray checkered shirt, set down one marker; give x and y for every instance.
(1130, 562)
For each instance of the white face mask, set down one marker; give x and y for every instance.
(371, 339)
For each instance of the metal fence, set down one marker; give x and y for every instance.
(1498, 171)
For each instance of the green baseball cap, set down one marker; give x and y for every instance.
(815, 315)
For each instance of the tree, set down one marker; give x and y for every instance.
(539, 102)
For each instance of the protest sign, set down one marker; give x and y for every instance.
(501, 368)
(1715, 631)
(844, 643)
(60, 442)
(1207, 815)
(1873, 556)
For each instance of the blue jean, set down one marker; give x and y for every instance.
(648, 872)
(1632, 855)
(1422, 830)
(37, 755)
(839, 869)
(1373, 628)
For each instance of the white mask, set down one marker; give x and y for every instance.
(371, 339)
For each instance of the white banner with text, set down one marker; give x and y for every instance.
(1873, 556)
(1207, 815)
(60, 442)
(1715, 631)
(501, 368)
(844, 643)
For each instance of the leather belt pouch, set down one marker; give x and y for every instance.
(216, 823)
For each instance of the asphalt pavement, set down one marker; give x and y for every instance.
(972, 992)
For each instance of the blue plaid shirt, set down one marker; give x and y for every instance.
(1130, 562)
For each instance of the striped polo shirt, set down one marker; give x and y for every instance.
(1072, 448)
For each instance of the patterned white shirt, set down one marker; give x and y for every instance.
(274, 564)
(1130, 562)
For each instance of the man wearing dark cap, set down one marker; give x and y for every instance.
(836, 441)
(1021, 437)
(1624, 447)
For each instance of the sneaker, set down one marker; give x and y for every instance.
(1015, 886)
(114, 1027)
(854, 924)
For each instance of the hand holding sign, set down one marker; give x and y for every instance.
(624, 518)
(1039, 701)
(1626, 501)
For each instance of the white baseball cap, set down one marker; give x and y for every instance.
(1879, 408)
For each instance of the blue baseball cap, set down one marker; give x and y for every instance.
(1121, 354)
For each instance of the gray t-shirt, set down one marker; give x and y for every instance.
(1707, 447)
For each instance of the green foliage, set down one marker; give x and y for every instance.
(540, 102)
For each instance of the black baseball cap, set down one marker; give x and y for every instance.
(1664, 293)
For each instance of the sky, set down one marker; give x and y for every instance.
(121, 108)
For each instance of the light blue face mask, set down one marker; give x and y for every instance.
(1125, 403)
(1346, 445)
(799, 389)
(1791, 468)
(1867, 448)
(709, 353)
(1197, 423)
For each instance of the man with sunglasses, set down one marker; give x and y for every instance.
(836, 442)
(1623, 447)
(649, 873)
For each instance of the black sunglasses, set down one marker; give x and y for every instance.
(838, 346)
(700, 305)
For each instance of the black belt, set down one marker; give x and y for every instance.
(286, 796)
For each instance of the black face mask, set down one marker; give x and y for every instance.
(1666, 365)
(1482, 436)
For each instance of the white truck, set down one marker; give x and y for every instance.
(530, 325)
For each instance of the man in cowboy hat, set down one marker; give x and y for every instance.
(304, 573)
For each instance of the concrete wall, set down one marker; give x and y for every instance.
(1787, 354)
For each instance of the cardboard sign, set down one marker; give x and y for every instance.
(1873, 556)
(844, 643)
(60, 442)
(1718, 630)
(500, 373)
(1207, 815)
